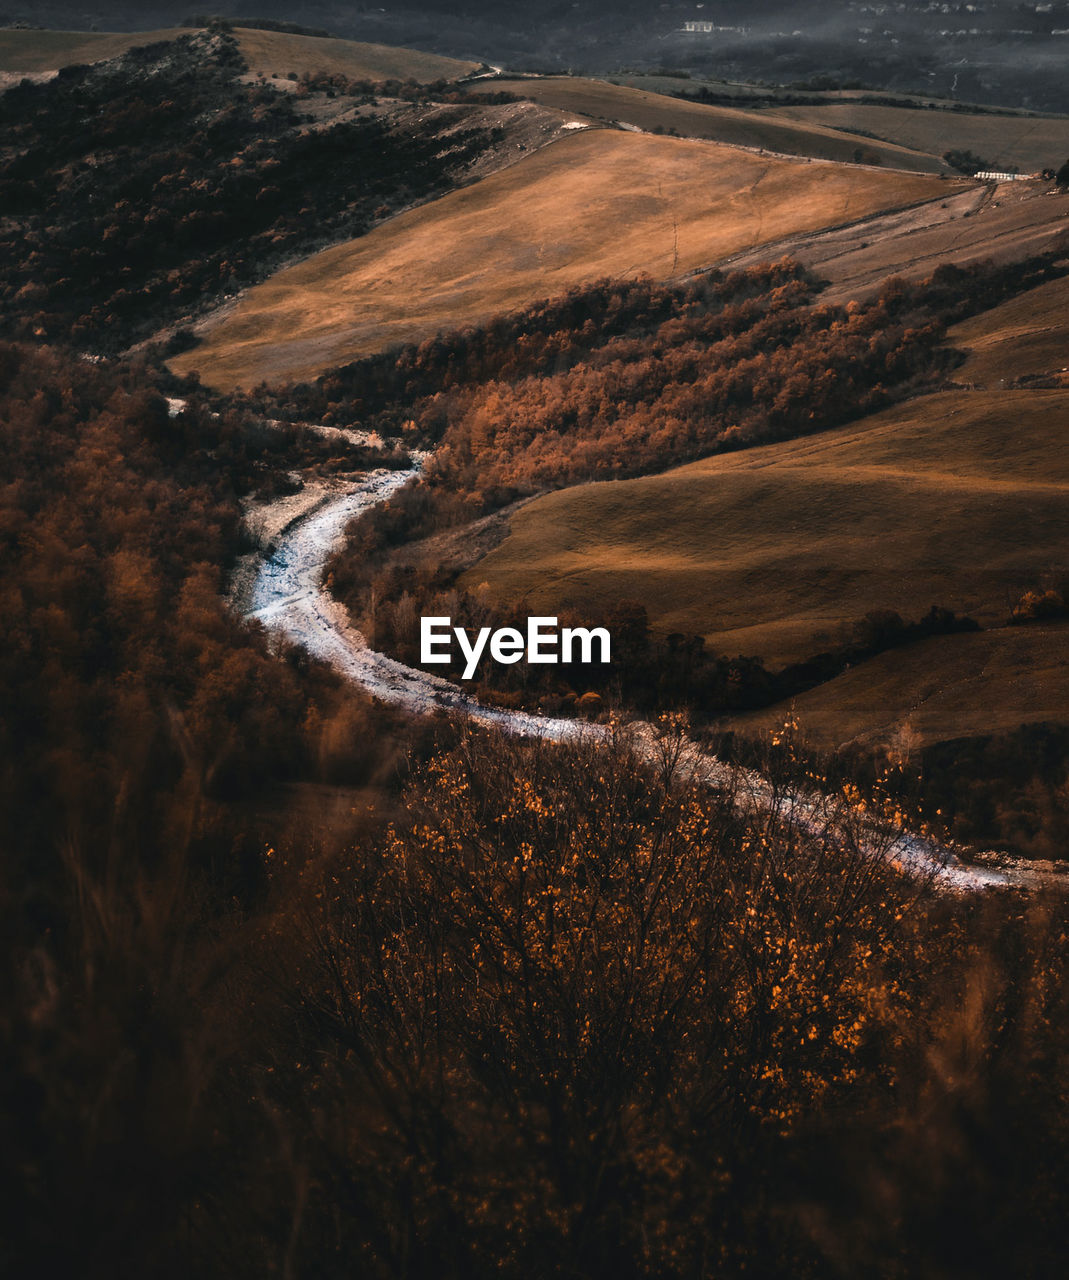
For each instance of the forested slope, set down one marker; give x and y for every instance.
(145, 188)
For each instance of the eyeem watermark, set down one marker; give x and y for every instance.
(544, 642)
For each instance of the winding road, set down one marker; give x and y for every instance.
(289, 596)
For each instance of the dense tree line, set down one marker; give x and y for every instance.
(1041, 605)
(793, 95)
(547, 337)
(619, 378)
(333, 83)
(141, 189)
(995, 791)
(768, 369)
(216, 23)
(966, 162)
(1003, 790)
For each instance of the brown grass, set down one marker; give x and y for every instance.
(596, 204)
(277, 53)
(1031, 143)
(956, 499)
(608, 104)
(943, 688)
(35, 51)
(1027, 336)
(267, 53)
(1004, 224)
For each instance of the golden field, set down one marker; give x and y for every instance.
(595, 204)
(278, 53)
(607, 103)
(957, 499)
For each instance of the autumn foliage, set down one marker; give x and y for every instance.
(565, 1010)
(522, 1009)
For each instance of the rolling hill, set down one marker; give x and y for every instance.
(1003, 222)
(268, 53)
(957, 499)
(39, 52)
(601, 203)
(274, 53)
(1027, 337)
(900, 129)
(1027, 141)
(608, 103)
(942, 689)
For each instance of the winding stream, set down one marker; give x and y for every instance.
(289, 596)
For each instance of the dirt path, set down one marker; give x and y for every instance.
(288, 595)
(1004, 222)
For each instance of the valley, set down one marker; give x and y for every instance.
(765, 553)
(735, 947)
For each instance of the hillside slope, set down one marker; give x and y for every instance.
(1025, 338)
(1029, 142)
(944, 688)
(597, 204)
(955, 499)
(267, 52)
(42, 52)
(608, 103)
(107, 238)
(1003, 223)
(278, 53)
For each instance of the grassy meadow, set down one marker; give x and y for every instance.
(278, 53)
(40, 51)
(943, 688)
(956, 499)
(609, 103)
(597, 204)
(1025, 337)
(1030, 143)
(972, 222)
(1001, 137)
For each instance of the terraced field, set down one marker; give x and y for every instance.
(595, 204)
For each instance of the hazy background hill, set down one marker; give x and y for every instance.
(1002, 52)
